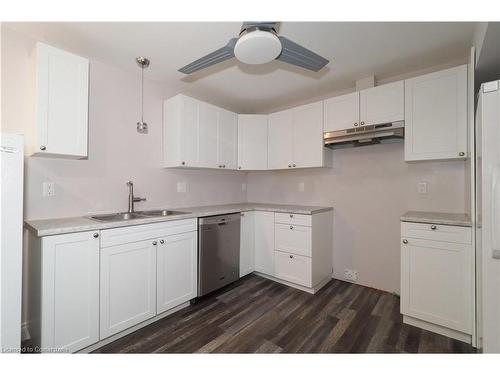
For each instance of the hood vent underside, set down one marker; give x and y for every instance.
(365, 135)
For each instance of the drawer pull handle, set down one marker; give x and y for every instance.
(405, 241)
(433, 227)
(96, 235)
(155, 243)
(291, 256)
(162, 241)
(291, 226)
(291, 216)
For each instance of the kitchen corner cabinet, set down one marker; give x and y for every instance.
(62, 96)
(264, 242)
(252, 142)
(296, 138)
(63, 291)
(247, 241)
(198, 135)
(436, 115)
(341, 112)
(437, 278)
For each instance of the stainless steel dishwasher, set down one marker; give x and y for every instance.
(218, 252)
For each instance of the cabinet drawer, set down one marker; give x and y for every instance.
(437, 232)
(296, 219)
(295, 239)
(293, 268)
(134, 233)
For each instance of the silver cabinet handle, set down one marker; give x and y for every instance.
(183, 162)
(155, 243)
(294, 165)
(433, 227)
(355, 124)
(289, 166)
(291, 256)
(95, 235)
(291, 226)
(291, 215)
(405, 241)
(162, 241)
(43, 148)
(362, 122)
(461, 153)
(242, 214)
(239, 167)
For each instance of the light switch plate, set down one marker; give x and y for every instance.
(181, 187)
(48, 189)
(422, 187)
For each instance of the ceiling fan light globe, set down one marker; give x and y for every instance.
(257, 47)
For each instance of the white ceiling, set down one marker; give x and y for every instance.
(355, 50)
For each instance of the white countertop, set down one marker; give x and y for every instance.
(48, 227)
(443, 218)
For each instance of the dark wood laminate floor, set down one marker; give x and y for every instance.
(256, 315)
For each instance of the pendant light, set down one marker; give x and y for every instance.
(143, 63)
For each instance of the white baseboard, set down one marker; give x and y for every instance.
(312, 290)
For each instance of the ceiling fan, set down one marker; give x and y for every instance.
(259, 43)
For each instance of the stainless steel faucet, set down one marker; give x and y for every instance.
(131, 198)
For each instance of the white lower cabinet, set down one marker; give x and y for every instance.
(247, 241)
(264, 242)
(128, 286)
(176, 270)
(63, 291)
(437, 278)
(293, 268)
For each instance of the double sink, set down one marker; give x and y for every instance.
(124, 216)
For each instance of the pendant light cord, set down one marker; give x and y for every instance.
(142, 94)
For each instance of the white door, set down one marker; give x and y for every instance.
(177, 262)
(436, 280)
(341, 112)
(70, 291)
(128, 286)
(264, 242)
(252, 142)
(280, 144)
(62, 89)
(247, 243)
(208, 135)
(436, 115)
(382, 104)
(227, 139)
(308, 145)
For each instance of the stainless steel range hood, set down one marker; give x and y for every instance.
(364, 135)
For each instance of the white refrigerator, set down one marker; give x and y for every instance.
(11, 232)
(488, 215)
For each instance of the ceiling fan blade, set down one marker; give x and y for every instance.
(295, 54)
(213, 58)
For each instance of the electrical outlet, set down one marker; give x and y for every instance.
(243, 187)
(48, 189)
(350, 275)
(181, 187)
(302, 186)
(422, 187)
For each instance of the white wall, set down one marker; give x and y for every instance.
(117, 152)
(370, 188)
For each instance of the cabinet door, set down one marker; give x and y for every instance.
(382, 104)
(436, 115)
(308, 136)
(341, 112)
(294, 268)
(436, 283)
(264, 242)
(128, 286)
(252, 142)
(62, 81)
(176, 270)
(208, 136)
(70, 291)
(247, 241)
(280, 144)
(227, 139)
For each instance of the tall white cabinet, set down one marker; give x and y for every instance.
(436, 115)
(198, 135)
(64, 291)
(62, 94)
(252, 142)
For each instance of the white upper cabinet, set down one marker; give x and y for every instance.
(296, 138)
(341, 112)
(252, 142)
(198, 135)
(382, 104)
(280, 144)
(62, 94)
(436, 115)
(227, 139)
